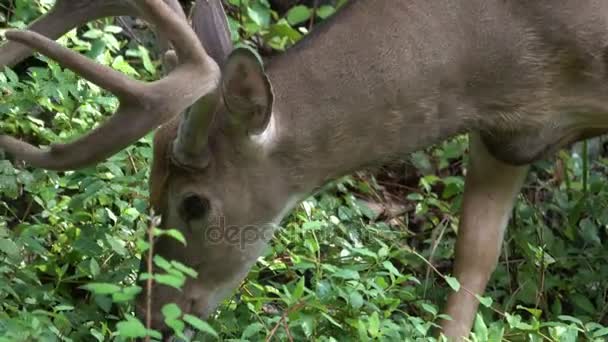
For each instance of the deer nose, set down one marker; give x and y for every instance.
(193, 207)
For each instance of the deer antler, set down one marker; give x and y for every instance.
(65, 15)
(210, 24)
(143, 106)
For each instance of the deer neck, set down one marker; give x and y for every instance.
(333, 115)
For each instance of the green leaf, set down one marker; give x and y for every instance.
(9, 247)
(59, 308)
(429, 308)
(9, 186)
(123, 66)
(582, 302)
(325, 11)
(453, 282)
(391, 268)
(173, 280)
(171, 311)
(200, 325)
(12, 77)
(93, 34)
(145, 58)
(590, 231)
(98, 335)
(515, 322)
(600, 332)
(299, 290)
(331, 319)
(298, 14)
(101, 288)
(162, 263)
(346, 274)
(177, 235)
(174, 233)
(131, 328)
(570, 319)
(177, 326)
(117, 245)
(283, 31)
(112, 29)
(480, 328)
(308, 324)
(127, 294)
(496, 332)
(251, 330)
(355, 299)
(485, 301)
(374, 324)
(365, 252)
(184, 269)
(535, 312)
(94, 267)
(259, 14)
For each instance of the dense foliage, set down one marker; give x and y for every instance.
(368, 258)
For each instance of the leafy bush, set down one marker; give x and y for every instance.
(366, 259)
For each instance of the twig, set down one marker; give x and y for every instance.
(585, 257)
(149, 281)
(132, 162)
(444, 278)
(6, 206)
(6, 8)
(313, 14)
(444, 224)
(284, 319)
(130, 32)
(541, 280)
(287, 330)
(28, 209)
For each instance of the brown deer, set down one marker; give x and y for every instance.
(239, 145)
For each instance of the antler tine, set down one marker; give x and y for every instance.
(99, 144)
(211, 27)
(175, 29)
(210, 24)
(143, 107)
(65, 15)
(103, 76)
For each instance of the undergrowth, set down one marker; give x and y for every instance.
(368, 258)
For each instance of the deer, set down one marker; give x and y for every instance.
(239, 144)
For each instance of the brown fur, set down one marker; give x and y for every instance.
(528, 76)
(161, 163)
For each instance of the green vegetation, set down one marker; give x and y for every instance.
(340, 270)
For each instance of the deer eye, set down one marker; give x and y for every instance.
(194, 207)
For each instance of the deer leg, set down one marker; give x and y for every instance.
(490, 190)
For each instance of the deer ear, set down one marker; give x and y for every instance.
(246, 91)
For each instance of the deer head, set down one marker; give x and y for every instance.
(210, 165)
(210, 178)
